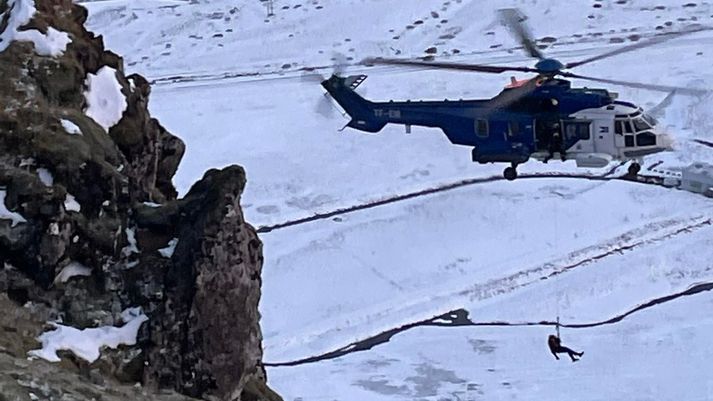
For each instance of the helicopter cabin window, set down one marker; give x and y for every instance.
(481, 128)
(629, 141)
(577, 130)
(514, 129)
(645, 138)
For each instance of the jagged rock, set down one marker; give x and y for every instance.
(212, 291)
(81, 186)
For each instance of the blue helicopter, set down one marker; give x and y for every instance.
(541, 117)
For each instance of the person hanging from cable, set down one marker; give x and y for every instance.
(556, 347)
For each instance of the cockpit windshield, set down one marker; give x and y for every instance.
(640, 124)
(650, 119)
(636, 124)
(636, 129)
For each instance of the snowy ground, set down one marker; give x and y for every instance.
(484, 247)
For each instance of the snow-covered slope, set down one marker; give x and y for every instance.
(228, 80)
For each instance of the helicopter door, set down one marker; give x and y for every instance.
(603, 131)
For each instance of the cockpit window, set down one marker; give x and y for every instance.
(627, 127)
(650, 119)
(646, 138)
(640, 124)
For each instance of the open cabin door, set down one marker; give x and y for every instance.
(545, 127)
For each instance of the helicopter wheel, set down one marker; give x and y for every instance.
(510, 173)
(634, 169)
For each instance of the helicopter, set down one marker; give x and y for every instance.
(541, 117)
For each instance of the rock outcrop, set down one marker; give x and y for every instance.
(91, 226)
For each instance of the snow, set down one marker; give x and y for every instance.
(70, 127)
(152, 204)
(6, 214)
(645, 355)
(167, 252)
(20, 13)
(45, 176)
(71, 204)
(53, 43)
(131, 247)
(423, 257)
(517, 252)
(87, 343)
(105, 101)
(73, 269)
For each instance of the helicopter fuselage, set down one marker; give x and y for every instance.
(589, 124)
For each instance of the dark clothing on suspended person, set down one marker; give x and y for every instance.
(556, 145)
(556, 347)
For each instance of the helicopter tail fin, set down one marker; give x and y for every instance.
(360, 110)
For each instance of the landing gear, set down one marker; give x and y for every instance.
(634, 169)
(510, 173)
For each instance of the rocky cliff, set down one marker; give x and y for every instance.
(90, 226)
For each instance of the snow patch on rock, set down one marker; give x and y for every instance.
(87, 343)
(71, 204)
(73, 269)
(167, 252)
(54, 43)
(6, 214)
(70, 127)
(131, 238)
(45, 176)
(105, 101)
(19, 13)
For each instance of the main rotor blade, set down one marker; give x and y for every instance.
(658, 110)
(514, 19)
(645, 43)
(493, 69)
(654, 87)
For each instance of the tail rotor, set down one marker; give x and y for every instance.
(325, 105)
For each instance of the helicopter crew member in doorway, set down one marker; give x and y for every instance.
(556, 347)
(554, 145)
